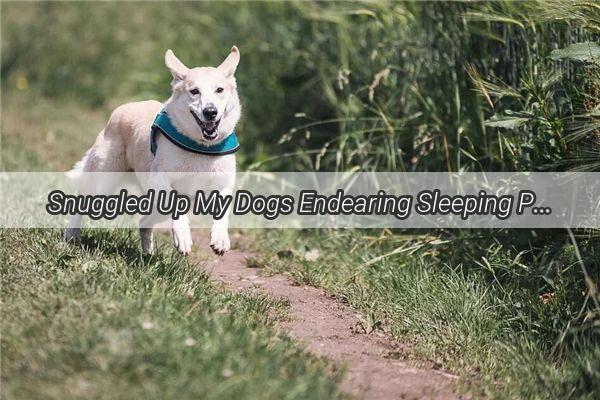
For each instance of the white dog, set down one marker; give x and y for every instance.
(203, 109)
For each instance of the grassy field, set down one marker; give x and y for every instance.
(100, 321)
(512, 323)
(330, 86)
(49, 137)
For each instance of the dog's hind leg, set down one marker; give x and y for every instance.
(106, 155)
(147, 236)
(73, 231)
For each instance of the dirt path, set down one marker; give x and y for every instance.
(328, 328)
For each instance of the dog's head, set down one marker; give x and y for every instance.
(204, 103)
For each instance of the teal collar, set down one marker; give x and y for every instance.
(162, 124)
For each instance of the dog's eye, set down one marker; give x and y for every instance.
(194, 91)
(220, 90)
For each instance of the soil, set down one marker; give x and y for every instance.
(375, 364)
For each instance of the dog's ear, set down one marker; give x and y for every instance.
(231, 62)
(177, 68)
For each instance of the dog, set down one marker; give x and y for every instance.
(204, 109)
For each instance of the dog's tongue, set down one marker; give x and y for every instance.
(210, 125)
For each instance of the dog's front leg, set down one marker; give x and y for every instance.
(182, 237)
(180, 231)
(180, 228)
(219, 236)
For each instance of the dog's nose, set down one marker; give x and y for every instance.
(210, 113)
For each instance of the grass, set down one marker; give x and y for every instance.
(397, 86)
(32, 138)
(97, 320)
(511, 325)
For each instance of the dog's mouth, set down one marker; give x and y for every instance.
(209, 128)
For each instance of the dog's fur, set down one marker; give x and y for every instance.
(124, 144)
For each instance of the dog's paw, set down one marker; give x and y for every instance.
(148, 247)
(219, 241)
(182, 238)
(147, 241)
(72, 234)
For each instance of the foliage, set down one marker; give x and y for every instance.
(403, 78)
(100, 321)
(382, 86)
(515, 321)
(388, 86)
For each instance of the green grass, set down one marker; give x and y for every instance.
(52, 136)
(510, 324)
(513, 316)
(99, 321)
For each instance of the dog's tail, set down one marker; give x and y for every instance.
(75, 173)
